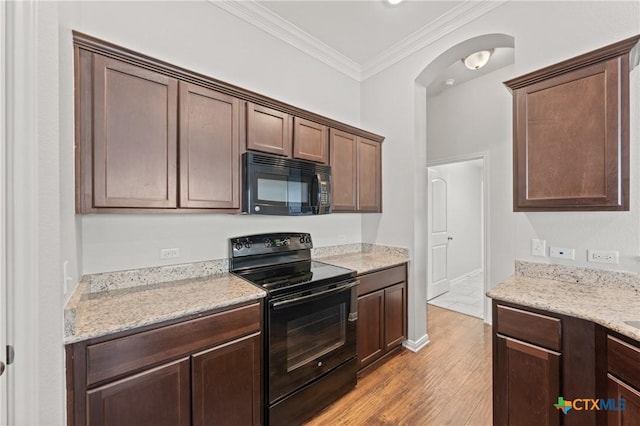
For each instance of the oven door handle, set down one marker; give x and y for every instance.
(297, 300)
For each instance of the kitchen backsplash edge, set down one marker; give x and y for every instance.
(578, 275)
(118, 280)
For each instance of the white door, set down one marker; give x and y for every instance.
(437, 279)
(3, 233)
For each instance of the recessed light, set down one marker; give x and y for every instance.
(449, 82)
(394, 2)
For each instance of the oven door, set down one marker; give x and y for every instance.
(309, 335)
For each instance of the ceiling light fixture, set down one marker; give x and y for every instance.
(477, 60)
(394, 2)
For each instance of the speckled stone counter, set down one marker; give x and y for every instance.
(90, 314)
(365, 258)
(605, 298)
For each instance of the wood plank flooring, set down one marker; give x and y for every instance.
(446, 383)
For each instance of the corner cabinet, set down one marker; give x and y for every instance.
(356, 173)
(382, 314)
(201, 371)
(540, 356)
(571, 133)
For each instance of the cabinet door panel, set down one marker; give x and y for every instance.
(527, 384)
(135, 136)
(343, 161)
(209, 144)
(310, 141)
(369, 182)
(370, 328)
(618, 390)
(160, 396)
(394, 315)
(268, 130)
(227, 384)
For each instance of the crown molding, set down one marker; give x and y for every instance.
(272, 23)
(259, 16)
(431, 32)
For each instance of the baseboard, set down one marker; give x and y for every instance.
(465, 276)
(416, 345)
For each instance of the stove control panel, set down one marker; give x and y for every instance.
(269, 243)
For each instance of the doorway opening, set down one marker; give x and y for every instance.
(456, 249)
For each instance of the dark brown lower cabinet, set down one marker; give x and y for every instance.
(226, 384)
(159, 396)
(528, 384)
(205, 370)
(382, 314)
(539, 357)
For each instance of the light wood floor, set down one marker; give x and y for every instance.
(446, 383)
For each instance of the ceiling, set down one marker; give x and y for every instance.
(360, 30)
(358, 38)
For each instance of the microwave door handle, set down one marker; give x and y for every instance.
(316, 197)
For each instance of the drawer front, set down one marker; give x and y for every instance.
(534, 328)
(381, 279)
(119, 356)
(623, 360)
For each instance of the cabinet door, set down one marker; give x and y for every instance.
(227, 384)
(370, 328)
(268, 130)
(395, 314)
(527, 384)
(160, 396)
(618, 390)
(209, 144)
(343, 161)
(134, 135)
(310, 141)
(570, 149)
(369, 171)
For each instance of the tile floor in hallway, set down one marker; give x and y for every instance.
(465, 296)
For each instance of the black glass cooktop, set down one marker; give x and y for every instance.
(296, 275)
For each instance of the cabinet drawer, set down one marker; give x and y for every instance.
(381, 279)
(623, 360)
(126, 354)
(530, 327)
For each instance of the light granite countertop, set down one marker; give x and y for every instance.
(369, 259)
(110, 302)
(608, 302)
(93, 314)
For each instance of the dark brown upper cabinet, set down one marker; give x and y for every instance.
(154, 137)
(310, 141)
(571, 133)
(355, 173)
(268, 130)
(134, 135)
(209, 145)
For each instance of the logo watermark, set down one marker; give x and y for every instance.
(588, 404)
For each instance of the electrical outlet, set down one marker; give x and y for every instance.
(603, 256)
(562, 253)
(169, 253)
(538, 247)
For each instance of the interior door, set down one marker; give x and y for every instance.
(3, 233)
(437, 278)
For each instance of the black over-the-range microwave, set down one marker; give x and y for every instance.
(283, 186)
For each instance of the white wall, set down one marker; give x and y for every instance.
(202, 37)
(544, 33)
(464, 213)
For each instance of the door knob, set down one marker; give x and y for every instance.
(1, 368)
(449, 238)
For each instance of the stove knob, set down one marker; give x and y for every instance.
(302, 240)
(267, 242)
(307, 239)
(248, 244)
(237, 246)
(286, 241)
